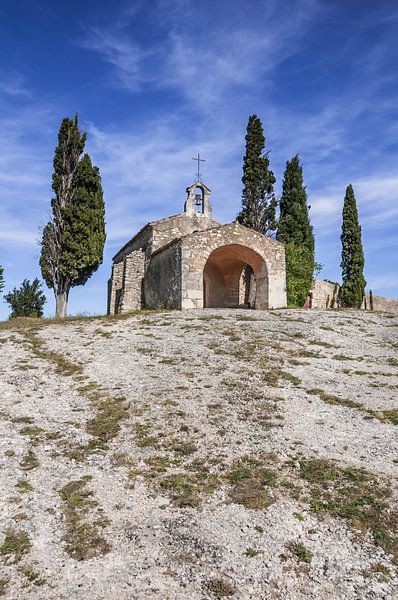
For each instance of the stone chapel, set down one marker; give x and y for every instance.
(191, 261)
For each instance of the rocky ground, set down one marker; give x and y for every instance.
(200, 455)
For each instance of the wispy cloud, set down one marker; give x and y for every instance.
(124, 54)
(13, 84)
(202, 63)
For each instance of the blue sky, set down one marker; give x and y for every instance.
(156, 82)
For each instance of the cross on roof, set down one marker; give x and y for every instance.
(199, 160)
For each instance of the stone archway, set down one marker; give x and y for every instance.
(222, 277)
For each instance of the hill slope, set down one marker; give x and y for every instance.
(199, 455)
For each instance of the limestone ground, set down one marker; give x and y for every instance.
(202, 454)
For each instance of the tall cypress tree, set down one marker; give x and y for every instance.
(73, 240)
(295, 230)
(258, 199)
(1, 278)
(352, 257)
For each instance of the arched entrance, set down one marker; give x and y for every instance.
(234, 276)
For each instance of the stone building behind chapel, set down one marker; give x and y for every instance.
(191, 261)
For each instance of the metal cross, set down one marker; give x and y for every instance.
(199, 160)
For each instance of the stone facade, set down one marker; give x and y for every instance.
(192, 261)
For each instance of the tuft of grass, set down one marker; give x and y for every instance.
(16, 544)
(83, 540)
(170, 361)
(31, 430)
(182, 489)
(106, 424)
(33, 577)
(332, 399)
(251, 479)
(310, 354)
(29, 461)
(388, 415)
(345, 357)
(24, 486)
(143, 437)
(188, 488)
(27, 420)
(183, 448)
(220, 588)
(289, 377)
(251, 552)
(302, 553)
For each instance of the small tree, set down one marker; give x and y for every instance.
(1, 278)
(295, 230)
(258, 199)
(352, 257)
(73, 240)
(27, 301)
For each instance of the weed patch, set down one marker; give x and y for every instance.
(29, 461)
(33, 576)
(16, 544)
(300, 552)
(24, 486)
(220, 588)
(83, 540)
(355, 495)
(251, 479)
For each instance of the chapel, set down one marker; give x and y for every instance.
(190, 260)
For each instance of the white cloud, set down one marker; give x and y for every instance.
(122, 53)
(13, 84)
(388, 281)
(202, 63)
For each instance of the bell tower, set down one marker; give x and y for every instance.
(197, 202)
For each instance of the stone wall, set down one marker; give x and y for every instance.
(325, 295)
(127, 272)
(382, 304)
(132, 287)
(264, 255)
(162, 281)
(115, 288)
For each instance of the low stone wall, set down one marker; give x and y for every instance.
(380, 303)
(325, 295)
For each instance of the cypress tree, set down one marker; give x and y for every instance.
(352, 258)
(258, 199)
(73, 240)
(295, 230)
(1, 278)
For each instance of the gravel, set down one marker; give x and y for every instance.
(203, 389)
